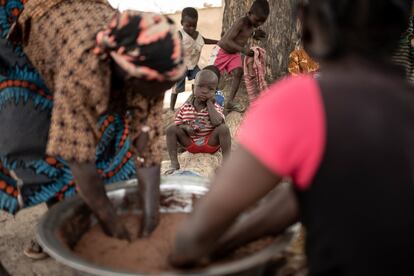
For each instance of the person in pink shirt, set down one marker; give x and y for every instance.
(346, 140)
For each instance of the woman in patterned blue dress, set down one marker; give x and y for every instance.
(25, 115)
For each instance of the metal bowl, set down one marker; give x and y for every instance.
(64, 224)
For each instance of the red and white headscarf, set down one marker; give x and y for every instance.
(144, 45)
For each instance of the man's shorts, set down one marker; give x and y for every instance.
(226, 62)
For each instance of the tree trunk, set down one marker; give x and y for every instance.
(280, 28)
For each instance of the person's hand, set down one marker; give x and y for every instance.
(189, 130)
(121, 232)
(92, 191)
(412, 42)
(212, 100)
(259, 34)
(116, 229)
(186, 252)
(248, 52)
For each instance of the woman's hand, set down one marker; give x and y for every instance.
(115, 228)
(92, 191)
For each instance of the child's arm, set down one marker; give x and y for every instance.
(209, 41)
(229, 40)
(188, 129)
(216, 117)
(180, 123)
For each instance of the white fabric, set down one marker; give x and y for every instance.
(192, 49)
(213, 55)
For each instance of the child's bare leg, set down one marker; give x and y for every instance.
(173, 100)
(176, 134)
(237, 75)
(221, 136)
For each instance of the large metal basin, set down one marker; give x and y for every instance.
(63, 225)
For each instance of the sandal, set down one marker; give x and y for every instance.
(35, 251)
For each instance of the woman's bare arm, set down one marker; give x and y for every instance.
(234, 190)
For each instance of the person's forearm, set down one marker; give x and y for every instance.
(149, 192)
(92, 191)
(185, 128)
(215, 117)
(209, 41)
(280, 205)
(213, 215)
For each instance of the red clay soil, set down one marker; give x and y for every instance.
(148, 255)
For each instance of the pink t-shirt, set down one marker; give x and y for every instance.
(285, 129)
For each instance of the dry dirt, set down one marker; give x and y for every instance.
(15, 235)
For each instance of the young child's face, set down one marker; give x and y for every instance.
(205, 86)
(257, 20)
(189, 25)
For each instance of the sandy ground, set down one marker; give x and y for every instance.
(15, 234)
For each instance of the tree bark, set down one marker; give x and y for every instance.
(280, 28)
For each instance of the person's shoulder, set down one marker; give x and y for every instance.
(289, 89)
(240, 22)
(292, 84)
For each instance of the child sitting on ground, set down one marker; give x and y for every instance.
(219, 94)
(199, 125)
(193, 43)
(234, 42)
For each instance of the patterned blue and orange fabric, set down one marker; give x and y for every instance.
(21, 85)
